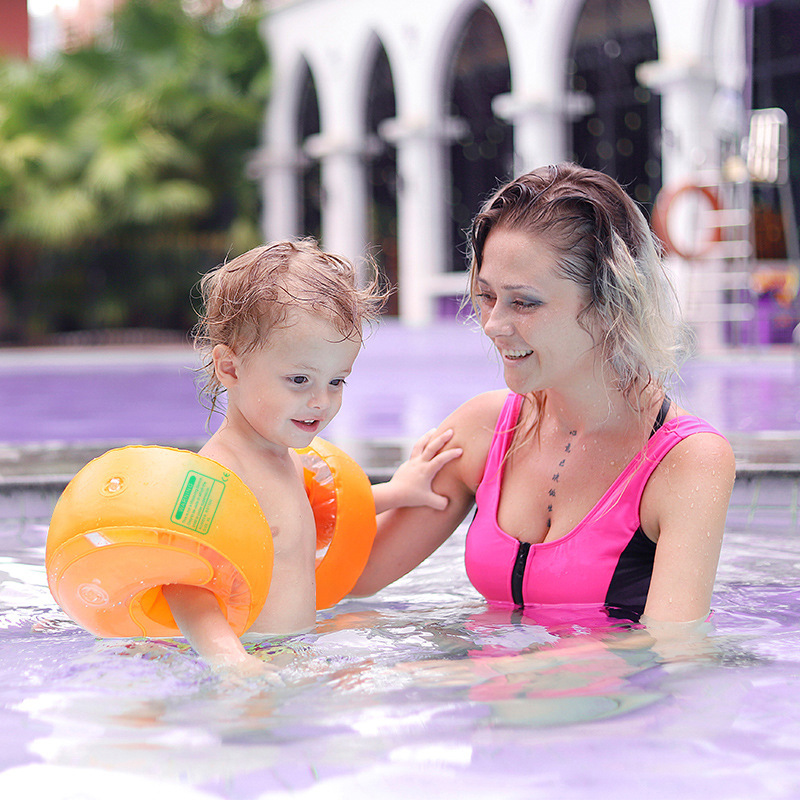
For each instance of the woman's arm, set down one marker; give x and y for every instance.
(407, 536)
(411, 484)
(686, 503)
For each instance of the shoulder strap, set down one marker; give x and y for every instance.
(662, 414)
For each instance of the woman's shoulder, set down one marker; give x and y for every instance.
(702, 447)
(479, 412)
(700, 443)
(473, 424)
(691, 485)
(688, 420)
(702, 458)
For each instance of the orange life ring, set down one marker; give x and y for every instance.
(137, 518)
(665, 204)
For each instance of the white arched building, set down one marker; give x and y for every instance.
(357, 81)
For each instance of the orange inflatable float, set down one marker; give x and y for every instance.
(140, 517)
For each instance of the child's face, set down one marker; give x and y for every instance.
(286, 391)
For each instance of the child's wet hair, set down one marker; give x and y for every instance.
(247, 298)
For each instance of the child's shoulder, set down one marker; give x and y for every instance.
(217, 450)
(249, 463)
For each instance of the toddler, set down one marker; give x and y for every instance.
(280, 330)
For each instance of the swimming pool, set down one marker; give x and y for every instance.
(422, 689)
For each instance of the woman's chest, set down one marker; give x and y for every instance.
(545, 494)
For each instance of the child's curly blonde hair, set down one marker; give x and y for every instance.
(245, 299)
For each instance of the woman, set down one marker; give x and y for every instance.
(591, 485)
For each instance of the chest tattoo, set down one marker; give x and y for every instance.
(556, 475)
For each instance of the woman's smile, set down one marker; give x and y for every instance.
(513, 355)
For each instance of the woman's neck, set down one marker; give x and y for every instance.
(599, 408)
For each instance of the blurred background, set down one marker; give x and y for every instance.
(142, 142)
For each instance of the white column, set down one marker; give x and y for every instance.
(690, 154)
(687, 96)
(280, 188)
(539, 127)
(344, 195)
(422, 235)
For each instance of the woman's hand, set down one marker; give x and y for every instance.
(412, 483)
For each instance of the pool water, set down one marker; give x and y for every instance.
(422, 689)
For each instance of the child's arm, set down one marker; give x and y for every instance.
(411, 483)
(198, 615)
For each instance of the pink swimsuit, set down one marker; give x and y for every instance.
(606, 559)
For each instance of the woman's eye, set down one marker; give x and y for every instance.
(484, 297)
(338, 382)
(298, 380)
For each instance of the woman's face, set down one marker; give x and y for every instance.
(531, 315)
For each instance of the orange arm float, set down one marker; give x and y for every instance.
(137, 518)
(344, 512)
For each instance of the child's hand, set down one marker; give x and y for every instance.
(241, 669)
(411, 483)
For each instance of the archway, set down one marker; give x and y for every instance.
(621, 135)
(308, 124)
(483, 154)
(382, 173)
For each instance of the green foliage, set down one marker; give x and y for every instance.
(108, 283)
(141, 134)
(150, 128)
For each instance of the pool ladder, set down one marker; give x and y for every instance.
(724, 279)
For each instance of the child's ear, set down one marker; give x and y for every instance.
(226, 365)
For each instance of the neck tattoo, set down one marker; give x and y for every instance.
(556, 476)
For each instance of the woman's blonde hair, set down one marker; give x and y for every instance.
(604, 244)
(248, 297)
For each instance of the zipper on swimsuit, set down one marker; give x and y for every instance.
(518, 573)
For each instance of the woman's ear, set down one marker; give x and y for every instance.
(226, 365)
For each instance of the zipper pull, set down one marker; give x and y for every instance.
(518, 573)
